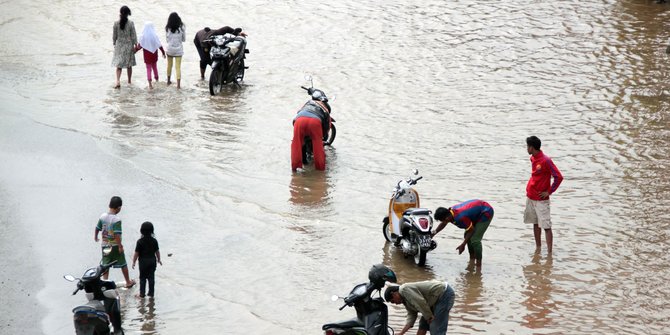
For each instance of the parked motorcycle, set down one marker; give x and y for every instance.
(408, 225)
(227, 53)
(329, 137)
(371, 313)
(103, 306)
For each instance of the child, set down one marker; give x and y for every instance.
(147, 251)
(151, 44)
(175, 36)
(110, 226)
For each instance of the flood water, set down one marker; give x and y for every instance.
(450, 88)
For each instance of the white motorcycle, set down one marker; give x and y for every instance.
(408, 225)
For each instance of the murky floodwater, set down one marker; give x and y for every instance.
(452, 89)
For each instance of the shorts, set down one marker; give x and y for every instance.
(538, 212)
(114, 255)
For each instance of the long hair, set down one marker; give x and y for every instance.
(173, 22)
(125, 12)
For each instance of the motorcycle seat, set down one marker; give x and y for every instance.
(88, 308)
(344, 324)
(417, 211)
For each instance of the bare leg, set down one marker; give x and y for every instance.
(118, 78)
(105, 275)
(151, 87)
(168, 81)
(550, 239)
(129, 281)
(129, 72)
(421, 332)
(538, 237)
(202, 74)
(178, 83)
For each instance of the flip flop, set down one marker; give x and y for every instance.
(132, 283)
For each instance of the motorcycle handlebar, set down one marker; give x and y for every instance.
(304, 88)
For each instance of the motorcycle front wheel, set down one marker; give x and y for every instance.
(240, 71)
(333, 133)
(386, 229)
(420, 256)
(215, 81)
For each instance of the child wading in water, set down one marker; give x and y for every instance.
(147, 251)
(151, 44)
(175, 36)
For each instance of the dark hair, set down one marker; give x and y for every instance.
(115, 202)
(147, 229)
(441, 213)
(534, 142)
(173, 22)
(389, 291)
(125, 12)
(207, 29)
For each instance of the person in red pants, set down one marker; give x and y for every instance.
(313, 121)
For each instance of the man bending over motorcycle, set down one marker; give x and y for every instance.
(313, 121)
(474, 216)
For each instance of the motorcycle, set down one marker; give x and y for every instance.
(103, 305)
(371, 313)
(328, 138)
(408, 225)
(227, 53)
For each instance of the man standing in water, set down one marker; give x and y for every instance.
(538, 190)
(474, 216)
(432, 298)
(112, 248)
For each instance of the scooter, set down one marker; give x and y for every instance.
(408, 225)
(227, 53)
(103, 305)
(329, 137)
(371, 313)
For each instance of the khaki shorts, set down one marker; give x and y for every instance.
(538, 212)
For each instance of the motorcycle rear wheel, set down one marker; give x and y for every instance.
(215, 81)
(420, 256)
(386, 229)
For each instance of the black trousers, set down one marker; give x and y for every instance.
(147, 271)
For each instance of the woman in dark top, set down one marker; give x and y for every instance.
(147, 251)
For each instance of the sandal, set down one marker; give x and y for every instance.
(131, 284)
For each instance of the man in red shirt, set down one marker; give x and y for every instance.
(538, 189)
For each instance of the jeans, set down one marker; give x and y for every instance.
(441, 312)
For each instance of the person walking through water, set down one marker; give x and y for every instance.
(475, 217)
(124, 39)
(432, 298)
(538, 189)
(150, 43)
(146, 250)
(176, 35)
(112, 247)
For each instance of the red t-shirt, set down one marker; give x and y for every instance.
(542, 170)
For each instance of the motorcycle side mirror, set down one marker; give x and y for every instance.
(69, 278)
(415, 172)
(308, 77)
(334, 298)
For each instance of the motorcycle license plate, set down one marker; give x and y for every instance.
(424, 241)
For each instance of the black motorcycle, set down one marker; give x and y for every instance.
(371, 313)
(328, 137)
(103, 305)
(227, 53)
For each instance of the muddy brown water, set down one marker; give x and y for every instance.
(450, 88)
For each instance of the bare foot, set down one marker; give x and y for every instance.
(118, 85)
(151, 87)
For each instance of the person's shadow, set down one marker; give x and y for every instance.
(309, 189)
(146, 309)
(538, 292)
